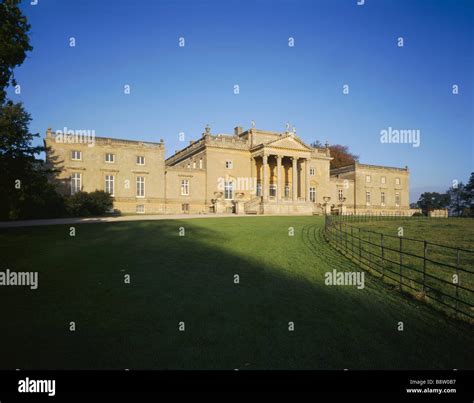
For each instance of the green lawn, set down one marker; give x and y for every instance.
(191, 279)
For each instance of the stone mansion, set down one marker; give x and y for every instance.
(250, 172)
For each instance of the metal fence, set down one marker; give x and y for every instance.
(397, 215)
(437, 274)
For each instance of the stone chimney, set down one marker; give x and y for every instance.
(238, 130)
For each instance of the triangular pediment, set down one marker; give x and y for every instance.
(289, 141)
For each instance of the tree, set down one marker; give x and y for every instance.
(462, 198)
(469, 196)
(14, 43)
(24, 187)
(429, 201)
(340, 154)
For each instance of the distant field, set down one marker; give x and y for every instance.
(454, 233)
(191, 279)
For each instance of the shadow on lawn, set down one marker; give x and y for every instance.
(190, 279)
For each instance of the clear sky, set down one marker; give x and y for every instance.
(181, 89)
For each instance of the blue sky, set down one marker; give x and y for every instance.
(181, 89)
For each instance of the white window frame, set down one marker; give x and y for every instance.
(368, 179)
(383, 180)
(140, 209)
(140, 186)
(287, 191)
(397, 199)
(367, 198)
(75, 181)
(229, 164)
(184, 187)
(312, 194)
(228, 190)
(194, 164)
(110, 184)
(259, 189)
(76, 155)
(397, 181)
(108, 160)
(312, 171)
(200, 163)
(140, 160)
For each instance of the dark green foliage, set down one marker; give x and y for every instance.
(24, 187)
(14, 42)
(429, 201)
(83, 204)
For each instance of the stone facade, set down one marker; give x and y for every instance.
(249, 172)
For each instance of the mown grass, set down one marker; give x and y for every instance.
(191, 279)
(439, 270)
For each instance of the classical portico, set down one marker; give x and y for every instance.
(281, 177)
(282, 173)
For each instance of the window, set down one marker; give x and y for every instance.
(228, 164)
(397, 181)
(287, 191)
(185, 187)
(110, 158)
(76, 155)
(228, 190)
(259, 189)
(383, 180)
(312, 194)
(189, 165)
(382, 198)
(397, 199)
(312, 171)
(341, 194)
(140, 209)
(367, 198)
(140, 186)
(368, 178)
(200, 163)
(140, 160)
(185, 208)
(194, 164)
(109, 184)
(273, 190)
(76, 185)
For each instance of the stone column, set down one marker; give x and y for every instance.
(252, 181)
(265, 178)
(279, 188)
(307, 162)
(294, 179)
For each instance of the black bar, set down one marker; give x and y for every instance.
(128, 385)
